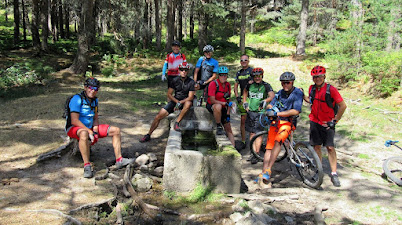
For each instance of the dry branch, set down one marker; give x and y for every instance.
(118, 214)
(90, 205)
(56, 153)
(103, 176)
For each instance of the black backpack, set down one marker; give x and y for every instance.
(328, 99)
(198, 75)
(66, 113)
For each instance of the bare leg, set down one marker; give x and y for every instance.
(317, 149)
(229, 133)
(243, 128)
(84, 144)
(332, 158)
(162, 114)
(273, 155)
(217, 112)
(114, 132)
(183, 112)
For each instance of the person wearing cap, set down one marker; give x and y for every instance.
(183, 88)
(324, 99)
(219, 104)
(255, 97)
(83, 125)
(282, 110)
(172, 62)
(205, 71)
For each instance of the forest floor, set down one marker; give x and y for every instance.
(32, 125)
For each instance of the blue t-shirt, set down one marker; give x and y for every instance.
(285, 102)
(208, 67)
(86, 109)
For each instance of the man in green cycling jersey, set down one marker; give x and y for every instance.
(242, 78)
(259, 94)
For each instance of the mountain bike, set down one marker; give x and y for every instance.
(393, 166)
(299, 154)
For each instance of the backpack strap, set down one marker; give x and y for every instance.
(217, 87)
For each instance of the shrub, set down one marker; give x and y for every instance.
(23, 74)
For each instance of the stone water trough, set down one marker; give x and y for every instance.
(197, 156)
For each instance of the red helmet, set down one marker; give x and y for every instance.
(318, 70)
(184, 65)
(257, 71)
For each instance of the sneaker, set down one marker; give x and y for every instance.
(124, 162)
(335, 180)
(88, 173)
(243, 145)
(176, 127)
(219, 130)
(146, 138)
(254, 159)
(263, 177)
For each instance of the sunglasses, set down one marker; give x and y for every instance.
(259, 76)
(319, 76)
(285, 82)
(223, 74)
(93, 88)
(184, 69)
(243, 60)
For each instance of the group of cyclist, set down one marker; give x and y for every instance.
(255, 97)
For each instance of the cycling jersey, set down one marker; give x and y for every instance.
(257, 93)
(182, 88)
(173, 61)
(320, 111)
(218, 94)
(85, 108)
(207, 67)
(285, 102)
(243, 77)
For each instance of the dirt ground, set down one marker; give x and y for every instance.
(30, 126)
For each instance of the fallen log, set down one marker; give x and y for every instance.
(57, 152)
(90, 205)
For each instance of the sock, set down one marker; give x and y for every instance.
(119, 159)
(334, 173)
(86, 164)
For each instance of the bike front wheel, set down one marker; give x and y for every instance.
(393, 169)
(308, 164)
(260, 154)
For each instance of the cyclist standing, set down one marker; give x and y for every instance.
(242, 79)
(83, 125)
(219, 103)
(183, 86)
(259, 94)
(286, 104)
(323, 117)
(205, 71)
(172, 62)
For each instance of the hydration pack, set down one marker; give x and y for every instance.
(328, 99)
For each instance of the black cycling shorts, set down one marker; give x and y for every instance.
(320, 135)
(170, 106)
(253, 124)
(223, 115)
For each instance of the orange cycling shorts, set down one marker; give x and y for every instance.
(279, 133)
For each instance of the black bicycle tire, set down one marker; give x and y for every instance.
(261, 133)
(388, 172)
(314, 184)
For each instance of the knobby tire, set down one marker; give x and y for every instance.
(393, 169)
(310, 168)
(282, 154)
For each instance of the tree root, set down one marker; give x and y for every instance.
(57, 152)
(91, 205)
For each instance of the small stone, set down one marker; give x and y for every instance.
(144, 168)
(152, 157)
(289, 220)
(150, 165)
(158, 171)
(235, 217)
(142, 160)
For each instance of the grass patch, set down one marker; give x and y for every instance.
(363, 156)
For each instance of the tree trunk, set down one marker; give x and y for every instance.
(61, 23)
(145, 27)
(185, 15)
(16, 22)
(54, 20)
(192, 20)
(44, 8)
(6, 10)
(24, 17)
(35, 25)
(158, 29)
(170, 24)
(301, 37)
(180, 20)
(67, 18)
(81, 61)
(357, 16)
(202, 27)
(243, 27)
(394, 40)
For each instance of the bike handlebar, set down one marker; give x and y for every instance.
(390, 142)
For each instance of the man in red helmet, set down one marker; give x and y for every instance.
(327, 108)
(183, 88)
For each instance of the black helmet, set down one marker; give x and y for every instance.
(92, 82)
(176, 43)
(287, 76)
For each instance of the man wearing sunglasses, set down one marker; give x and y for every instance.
(83, 125)
(259, 94)
(219, 103)
(323, 117)
(183, 88)
(286, 104)
(242, 78)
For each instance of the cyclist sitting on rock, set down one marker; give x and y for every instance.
(205, 71)
(282, 110)
(219, 103)
(83, 125)
(183, 86)
(259, 94)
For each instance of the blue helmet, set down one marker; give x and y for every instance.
(223, 69)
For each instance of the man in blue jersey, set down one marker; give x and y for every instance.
(206, 71)
(83, 125)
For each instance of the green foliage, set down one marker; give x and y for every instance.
(23, 74)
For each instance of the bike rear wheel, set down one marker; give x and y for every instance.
(308, 165)
(260, 155)
(393, 169)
